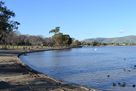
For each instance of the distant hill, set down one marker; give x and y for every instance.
(126, 39)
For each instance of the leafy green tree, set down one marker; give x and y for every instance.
(7, 25)
(60, 39)
(67, 40)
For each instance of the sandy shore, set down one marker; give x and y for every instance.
(15, 76)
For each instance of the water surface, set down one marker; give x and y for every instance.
(97, 67)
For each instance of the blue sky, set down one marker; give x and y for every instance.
(80, 18)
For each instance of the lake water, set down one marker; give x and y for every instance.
(97, 67)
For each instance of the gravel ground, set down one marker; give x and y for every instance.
(15, 76)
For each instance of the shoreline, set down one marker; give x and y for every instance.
(48, 83)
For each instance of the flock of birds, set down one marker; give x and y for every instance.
(123, 84)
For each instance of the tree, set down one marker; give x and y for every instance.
(48, 42)
(59, 38)
(12, 38)
(95, 43)
(67, 40)
(76, 43)
(7, 25)
(56, 30)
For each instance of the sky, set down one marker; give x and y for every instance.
(81, 19)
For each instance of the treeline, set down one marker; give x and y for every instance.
(15, 39)
(57, 40)
(9, 36)
(95, 43)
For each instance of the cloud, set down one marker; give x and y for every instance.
(121, 31)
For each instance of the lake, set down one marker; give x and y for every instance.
(110, 68)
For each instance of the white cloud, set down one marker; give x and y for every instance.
(121, 31)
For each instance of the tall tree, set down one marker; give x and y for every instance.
(7, 25)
